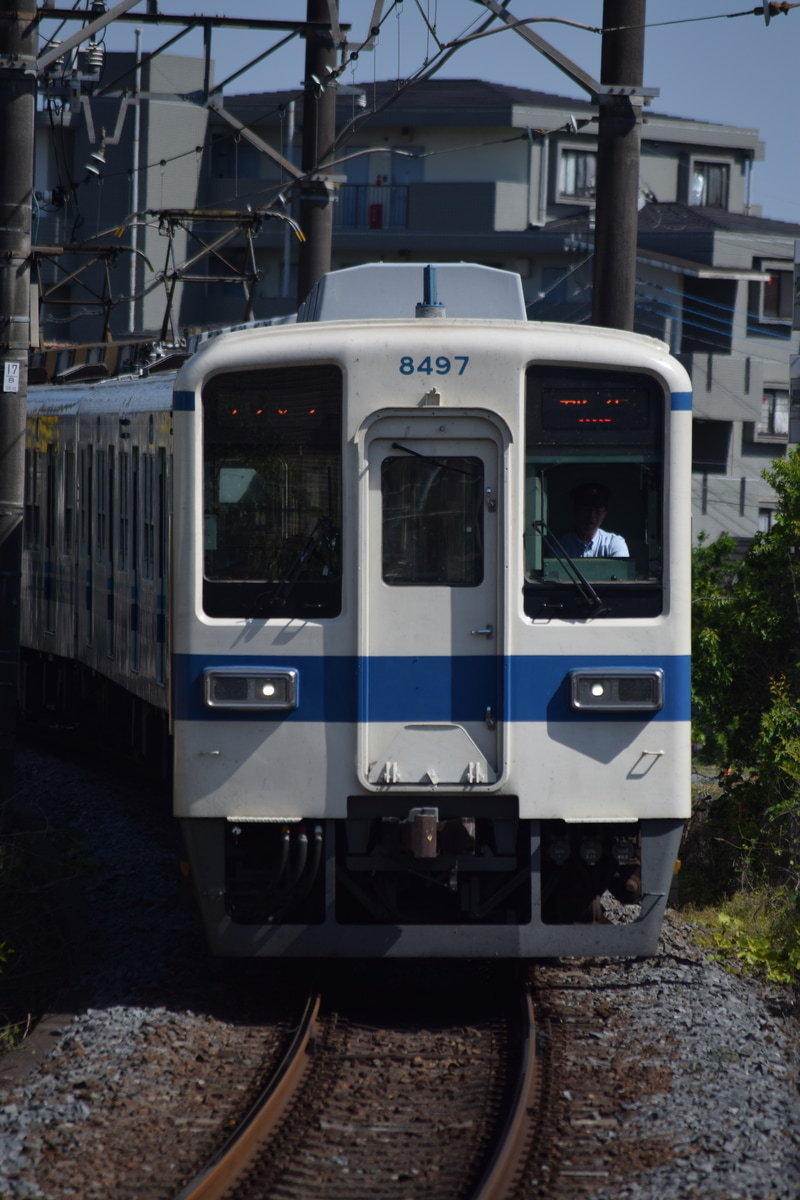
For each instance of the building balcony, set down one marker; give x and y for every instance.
(365, 206)
(455, 210)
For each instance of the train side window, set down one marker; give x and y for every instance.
(50, 499)
(601, 430)
(31, 501)
(101, 505)
(86, 499)
(134, 559)
(110, 526)
(163, 513)
(111, 493)
(69, 499)
(124, 512)
(135, 510)
(272, 463)
(432, 521)
(148, 518)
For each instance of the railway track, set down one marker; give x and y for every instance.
(247, 1145)
(521, 1094)
(396, 1108)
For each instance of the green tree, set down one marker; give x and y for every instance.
(746, 678)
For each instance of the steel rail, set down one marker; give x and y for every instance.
(498, 1179)
(231, 1162)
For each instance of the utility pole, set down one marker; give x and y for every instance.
(319, 130)
(618, 152)
(17, 114)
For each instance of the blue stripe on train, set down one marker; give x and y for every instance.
(343, 688)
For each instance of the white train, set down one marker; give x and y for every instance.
(352, 563)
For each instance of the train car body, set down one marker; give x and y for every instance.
(406, 720)
(94, 615)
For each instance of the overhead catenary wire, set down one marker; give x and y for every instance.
(446, 49)
(426, 70)
(462, 40)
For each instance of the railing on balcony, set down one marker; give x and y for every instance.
(371, 206)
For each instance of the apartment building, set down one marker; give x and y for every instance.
(451, 170)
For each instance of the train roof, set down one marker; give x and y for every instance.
(132, 393)
(391, 290)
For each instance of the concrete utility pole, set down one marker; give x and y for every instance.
(319, 129)
(17, 114)
(618, 151)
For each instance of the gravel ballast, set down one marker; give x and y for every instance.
(120, 1093)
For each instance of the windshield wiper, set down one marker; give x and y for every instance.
(587, 592)
(323, 529)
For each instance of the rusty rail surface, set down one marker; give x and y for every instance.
(508, 1161)
(235, 1157)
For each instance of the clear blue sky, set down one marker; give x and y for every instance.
(732, 70)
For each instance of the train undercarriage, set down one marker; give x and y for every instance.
(333, 886)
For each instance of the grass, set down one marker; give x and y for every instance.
(753, 932)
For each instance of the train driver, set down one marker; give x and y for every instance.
(587, 539)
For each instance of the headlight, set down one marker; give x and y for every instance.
(250, 687)
(605, 690)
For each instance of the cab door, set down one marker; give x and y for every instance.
(430, 630)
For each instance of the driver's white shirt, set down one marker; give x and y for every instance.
(602, 545)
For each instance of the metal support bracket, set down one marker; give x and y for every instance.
(598, 91)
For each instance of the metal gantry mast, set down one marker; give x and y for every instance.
(17, 114)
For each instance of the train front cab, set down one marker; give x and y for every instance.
(518, 719)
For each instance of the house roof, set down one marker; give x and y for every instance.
(425, 102)
(679, 219)
(686, 218)
(476, 95)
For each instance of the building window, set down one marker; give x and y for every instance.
(777, 296)
(774, 419)
(710, 446)
(708, 309)
(577, 174)
(710, 184)
(766, 516)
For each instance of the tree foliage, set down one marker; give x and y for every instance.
(746, 678)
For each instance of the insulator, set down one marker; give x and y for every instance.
(58, 63)
(95, 56)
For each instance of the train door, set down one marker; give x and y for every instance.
(431, 614)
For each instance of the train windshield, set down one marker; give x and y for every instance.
(272, 486)
(593, 540)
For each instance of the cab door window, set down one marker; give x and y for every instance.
(432, 520)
